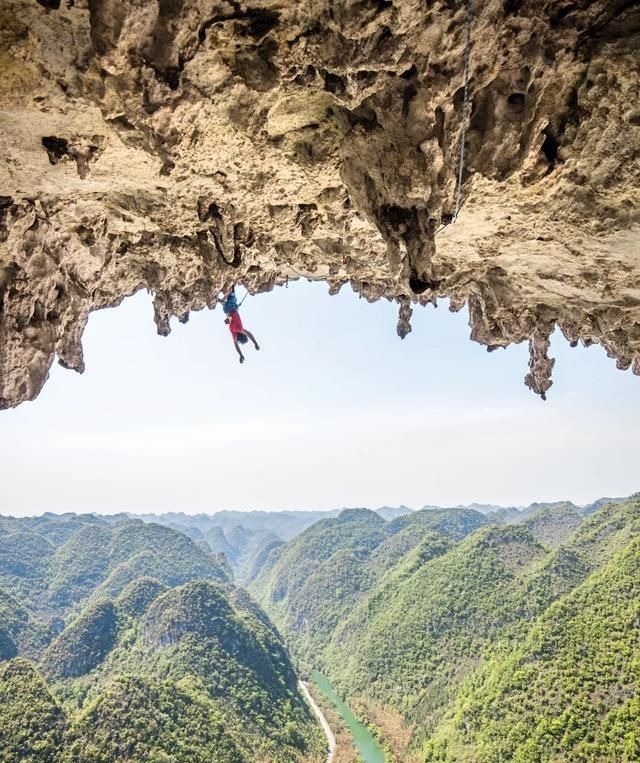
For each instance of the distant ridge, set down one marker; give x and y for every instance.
(247, 538)
(393, 512)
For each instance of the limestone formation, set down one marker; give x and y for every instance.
(182, 146)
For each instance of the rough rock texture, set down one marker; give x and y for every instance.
(185, 145)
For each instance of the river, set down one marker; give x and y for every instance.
(366, 744)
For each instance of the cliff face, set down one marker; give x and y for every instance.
(186, 145)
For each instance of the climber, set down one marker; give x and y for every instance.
(238, 331)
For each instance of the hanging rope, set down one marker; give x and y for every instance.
(287, 284)
(465, 107)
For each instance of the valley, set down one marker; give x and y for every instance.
(325, 174)
(439, 635)
(363, 741)
(462, 637)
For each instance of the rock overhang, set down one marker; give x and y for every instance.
(184, 147)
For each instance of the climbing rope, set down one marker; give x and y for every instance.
(287, 284)
(465, 107)
(230, 302)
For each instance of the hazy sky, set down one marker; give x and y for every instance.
(333, 411)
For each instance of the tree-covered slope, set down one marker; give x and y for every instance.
(455, 523)
(200, 630)
(569, 692)
(413, 616)
(311, 584)
(32, 723)
(136, 597)
(13, 620)
(196, 673)
(83, 644)
(448, 641)
(480, 642)
(53, 565)
(147, 719)
(553, 525)
(307, 584)
(114, 555)
(412, 641)
(246, 538)
(155, 656)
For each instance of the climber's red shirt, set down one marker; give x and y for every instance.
(235, 324)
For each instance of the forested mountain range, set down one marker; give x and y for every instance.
(460, 635)
(246, 538)
(466, 639)
(126, 641)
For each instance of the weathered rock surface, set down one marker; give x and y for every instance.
(185, 145)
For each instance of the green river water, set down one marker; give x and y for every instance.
(370, 751)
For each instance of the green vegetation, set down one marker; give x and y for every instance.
(141, 719)
(24, 554)
(246, 538)
(51, 563)
(13, 619)
(459, 637)
(83, 644)
(569, 692)
(79, 564)
(308, 585)
(309, 582)
(455, 524)
(553, 525)
(150, 654)
(411, 647)
(138, 595)
(495, 643)
(31, 721)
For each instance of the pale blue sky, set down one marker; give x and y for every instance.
(334, 411)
